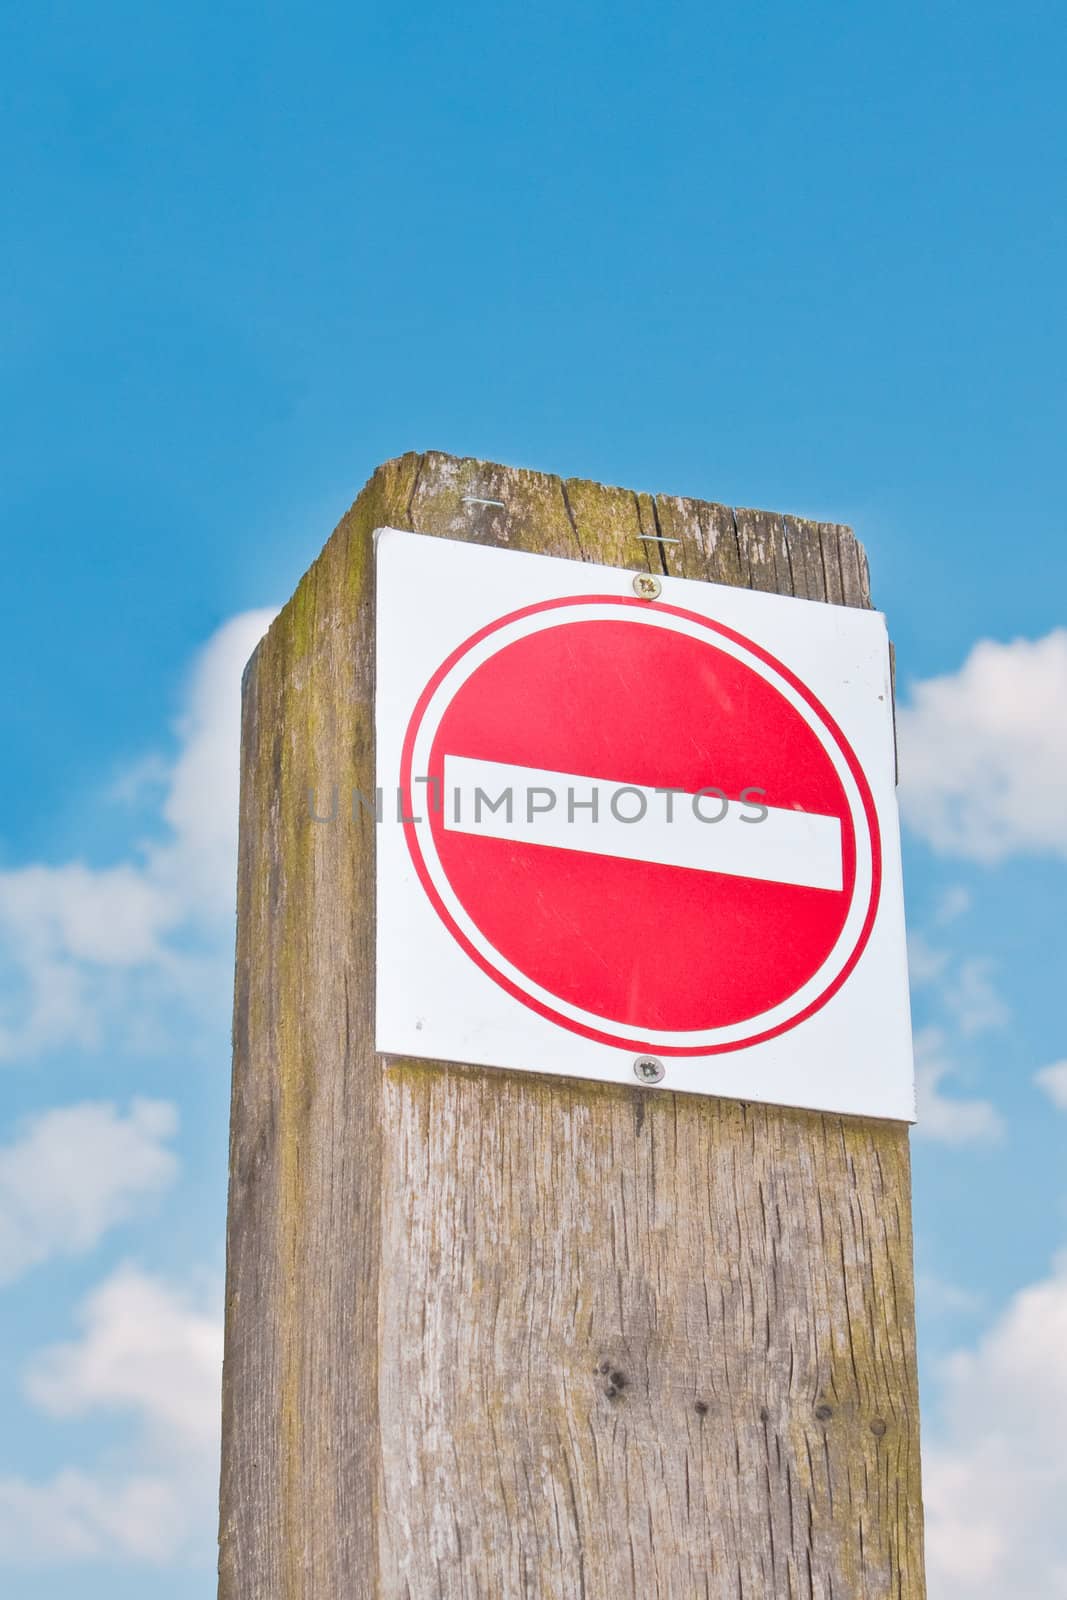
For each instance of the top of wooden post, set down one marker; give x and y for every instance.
(462, 497)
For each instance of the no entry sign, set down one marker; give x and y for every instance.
(613, 830)
(566, 744)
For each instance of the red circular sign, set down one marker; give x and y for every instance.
(683, 958)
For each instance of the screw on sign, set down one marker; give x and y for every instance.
(575, 852)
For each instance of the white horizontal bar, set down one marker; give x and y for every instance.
(546, 808)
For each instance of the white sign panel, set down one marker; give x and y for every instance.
(622, 836)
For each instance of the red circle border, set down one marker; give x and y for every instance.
(646, 1044)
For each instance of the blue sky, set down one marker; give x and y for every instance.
(805, 257)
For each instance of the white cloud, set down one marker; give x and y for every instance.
(74, 1517)
(929, 962)
(109, 917)
(153, 1354)
(983, 752)
(926, 963)
(76, 1171)
(949, 1119)
(937, 1297)
(973, 998)
(197, 869)
(73, 938)
(969, 1003)
(995, 1469)
(84, 950)
(1053, 1080)
(954, 902)
(145, 1349)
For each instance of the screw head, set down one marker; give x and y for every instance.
(649, 1069)
(647, 587)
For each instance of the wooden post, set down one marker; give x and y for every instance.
(493, 1336)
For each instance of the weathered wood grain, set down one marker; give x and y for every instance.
(498, 1337)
